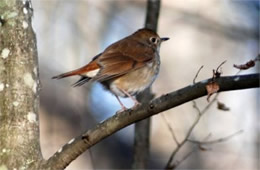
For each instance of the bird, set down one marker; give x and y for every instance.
(126, 67)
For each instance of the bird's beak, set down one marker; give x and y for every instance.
(164, 39)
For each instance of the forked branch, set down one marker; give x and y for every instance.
(77, 146)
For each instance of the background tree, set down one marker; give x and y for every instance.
(19, 87)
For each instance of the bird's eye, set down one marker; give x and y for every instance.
(153, 40)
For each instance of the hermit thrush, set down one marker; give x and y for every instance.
(126, 67)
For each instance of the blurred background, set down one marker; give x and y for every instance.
(69, 33)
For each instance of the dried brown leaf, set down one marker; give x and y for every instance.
(246, 66)
(212, 87)
(222, 106)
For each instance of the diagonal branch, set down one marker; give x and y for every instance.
(77, 146)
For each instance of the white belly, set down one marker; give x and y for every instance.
(137, 80)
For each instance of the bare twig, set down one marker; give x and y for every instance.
(170, 129)
(217, 73)
(221, 65)
(210, 104)
(194, 80)
(169, 164)
(196, 121)
(195, 148)
(217, 140)
(194, 105)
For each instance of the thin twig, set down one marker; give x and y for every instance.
(196, 107)
(210, 104)
(170, 129)
(220, 65)
(196, 121)
(216, 73)
(200, 114)
(182, 143)
(217, 140)
(195, 148)
(194, 80)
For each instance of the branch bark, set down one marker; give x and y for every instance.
(77, 146)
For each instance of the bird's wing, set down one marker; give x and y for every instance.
(121, 58)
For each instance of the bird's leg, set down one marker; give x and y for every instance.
(131, 97)
(121, 104)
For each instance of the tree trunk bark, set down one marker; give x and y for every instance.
(19, 87)
(142, 128)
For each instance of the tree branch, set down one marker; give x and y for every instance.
(77, 146)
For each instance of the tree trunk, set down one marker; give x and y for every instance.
(19, 87)
(142, 128)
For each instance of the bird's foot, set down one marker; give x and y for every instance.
(136, 104)
(121, 110)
